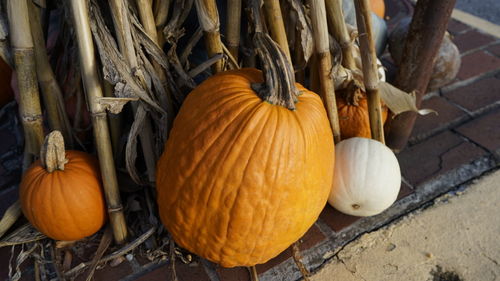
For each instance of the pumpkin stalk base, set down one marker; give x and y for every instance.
(52, 154)
(279, 86)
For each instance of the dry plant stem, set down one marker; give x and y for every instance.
(320, 33)
(297, 258)
(233, 26)
(93, 90)
(51, 92)
(24, 60)
(254, 276)
(300, 75)
(276, 25)
(103, 246)
(115, 120)
(10, 217)
(52, 153)
(161, 8)
(370, 73)
(424, 38)
(338, 28)
(209, 22)
(126, 45)
(120, 252)
(148, 21)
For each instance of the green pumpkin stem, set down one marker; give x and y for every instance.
(52, 154)
(279, 86)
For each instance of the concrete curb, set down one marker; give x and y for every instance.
(476, 22)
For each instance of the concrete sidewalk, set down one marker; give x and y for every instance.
(455, 239)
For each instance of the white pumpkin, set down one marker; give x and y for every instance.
(367, 177)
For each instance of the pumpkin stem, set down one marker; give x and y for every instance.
(52, 154)
(353, 93)
(279, 86)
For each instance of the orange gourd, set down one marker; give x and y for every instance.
(352, 106)
(241, 178)
(378, 7)
(61, 194)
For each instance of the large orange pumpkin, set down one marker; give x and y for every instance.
(354, 120)
(241, 179)
(66, 203)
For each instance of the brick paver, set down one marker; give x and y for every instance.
(456, 27)
(446, 113)
(472, 39)
(477, 63)
(477, 95)
(436, 155)
(494, 49)
(485, 131)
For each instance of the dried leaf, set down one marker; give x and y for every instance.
(131, 148)
(304, 28)
(9, 218)
(25, 234)
(399, 101)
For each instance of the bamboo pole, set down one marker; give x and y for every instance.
(370, 73)
(209, 22)
(424, 38)
(24, 60)
(126, 45)
(114, 121)
(276, 25)
(155, 33)
(324, 61)
(51, 92)
(233, 26)
(338, 28)
(93, 90)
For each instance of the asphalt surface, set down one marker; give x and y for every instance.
(486, 9)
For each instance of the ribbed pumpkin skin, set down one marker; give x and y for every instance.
(354, 120)
(64, 205)
(240, 179)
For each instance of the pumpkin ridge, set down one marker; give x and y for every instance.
(250, 155)
(227, 112)
(210, 146)
(228, 152)
(195, 222)
(208, 123)
(64, 193)
(31, 191)
(278, 170)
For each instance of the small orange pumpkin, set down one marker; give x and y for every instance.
(378, 7)
(352, 106)
(61, 194)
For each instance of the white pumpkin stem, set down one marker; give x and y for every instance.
(279, 87)
(52, 154)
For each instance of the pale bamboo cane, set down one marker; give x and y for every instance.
(126, 45)
(24, 60)
(370, 73)
(155, 33)
(276, 25)
(233, 25)
(93, 91)
(324, 60)
(208, 17)
(51, 92)
(338, 28)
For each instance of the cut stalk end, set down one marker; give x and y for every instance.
(52, 154)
